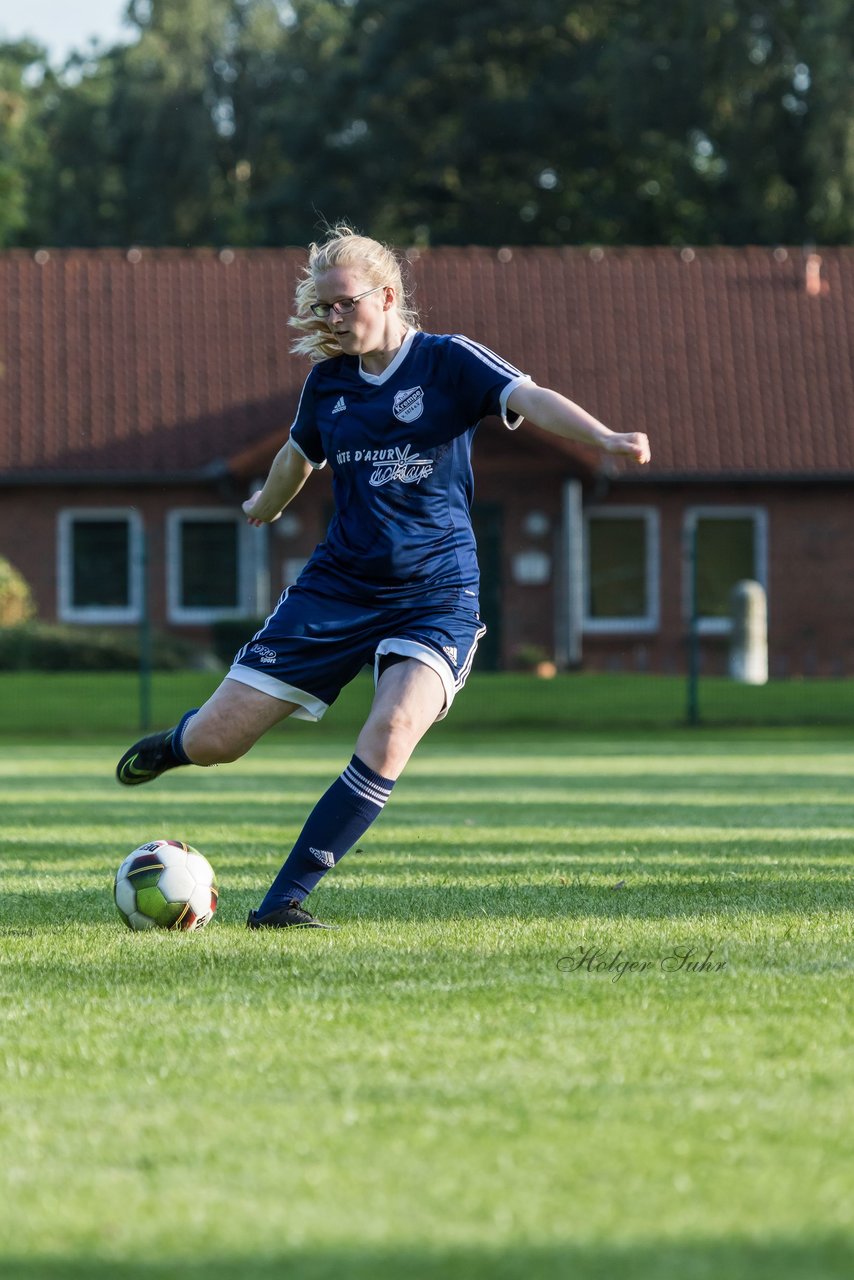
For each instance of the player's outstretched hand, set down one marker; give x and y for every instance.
(630, 444)
(255, 513)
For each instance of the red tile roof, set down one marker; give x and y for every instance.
(166, 361)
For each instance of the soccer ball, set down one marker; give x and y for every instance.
(165, 884)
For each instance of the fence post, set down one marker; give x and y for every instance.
(693, 708)
(144, 638)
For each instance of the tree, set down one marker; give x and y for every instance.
(699, 120)
(249, 121)
(25, 82)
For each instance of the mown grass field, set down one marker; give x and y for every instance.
(50, 704)
(438, 1088)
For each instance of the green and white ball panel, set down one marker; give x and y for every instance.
(199, 868)
(176, 883)
(201, 901)
(165, 884)
(138, 921)
(125, 896)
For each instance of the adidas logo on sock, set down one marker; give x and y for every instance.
(325, 857)
(340, 405)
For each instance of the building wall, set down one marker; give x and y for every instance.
(810, 530)
(28, 541)
(29, 520)
(810, 586)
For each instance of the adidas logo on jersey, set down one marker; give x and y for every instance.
(340, 406)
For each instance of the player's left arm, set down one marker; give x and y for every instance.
(553, 412)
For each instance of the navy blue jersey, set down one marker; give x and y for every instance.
(399, 445)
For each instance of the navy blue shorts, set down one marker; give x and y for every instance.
(313, 645)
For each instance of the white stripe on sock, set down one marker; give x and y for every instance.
(372, 791)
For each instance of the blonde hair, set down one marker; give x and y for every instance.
(343, 247)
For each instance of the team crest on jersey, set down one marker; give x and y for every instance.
(408, 405)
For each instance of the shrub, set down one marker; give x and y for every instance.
(40, 647)
(530, 657)
(16, 600)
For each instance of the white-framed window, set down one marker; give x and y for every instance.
(99, 562)
(208, 564)
(621, 570)
(730, 543)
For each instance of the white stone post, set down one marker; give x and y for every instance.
(748, 655)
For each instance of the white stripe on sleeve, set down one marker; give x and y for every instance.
(496, 362)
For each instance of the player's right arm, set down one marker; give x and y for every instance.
(288, 474)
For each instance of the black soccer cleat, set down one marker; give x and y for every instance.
(290, 915)
(147, 759)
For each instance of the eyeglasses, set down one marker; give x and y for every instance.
(343, 306)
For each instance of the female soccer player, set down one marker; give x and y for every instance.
(395, 583)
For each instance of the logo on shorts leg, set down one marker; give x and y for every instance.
(266, 655)
(408, 405)
(451, 651)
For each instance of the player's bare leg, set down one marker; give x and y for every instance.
(232, 720)
(228, 724)
(408, 699)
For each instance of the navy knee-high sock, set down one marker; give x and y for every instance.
(177, 743)
(341, 817)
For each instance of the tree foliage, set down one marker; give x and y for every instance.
(247, 122)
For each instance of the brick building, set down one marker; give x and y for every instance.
(143, 393)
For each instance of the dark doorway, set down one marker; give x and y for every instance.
(486, 521)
